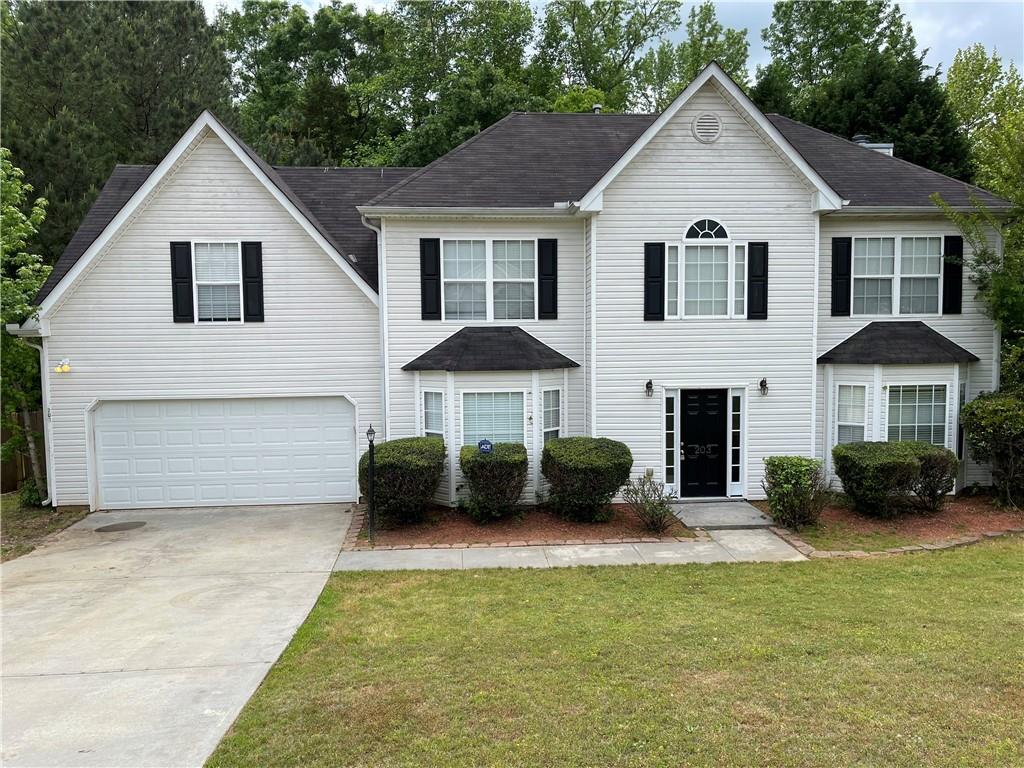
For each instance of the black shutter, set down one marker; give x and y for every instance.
(953, 275)
(842, 253)
(547, 279)
(181, 282)
(252, 282)
(430, 278)
(654, 281)
(757, 281)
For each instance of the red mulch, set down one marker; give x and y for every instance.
(959, 516)
(450, 526)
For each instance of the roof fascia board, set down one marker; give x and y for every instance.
(205, 121)
(827, 198)
(387, 210)
(909, 210)
(32, 328)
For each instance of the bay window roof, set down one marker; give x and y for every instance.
(490, 348)
(906, 342)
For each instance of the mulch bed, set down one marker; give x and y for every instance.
(959, 516)
(446, 527)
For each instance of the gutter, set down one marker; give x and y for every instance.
(382, 309)
(559, 210)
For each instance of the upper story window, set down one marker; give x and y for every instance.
(218, 281)
(896, 275)
(710, 281)
(489, 279)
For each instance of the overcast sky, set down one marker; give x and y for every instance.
(941, 26)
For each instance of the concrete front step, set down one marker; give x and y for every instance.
(721, 515)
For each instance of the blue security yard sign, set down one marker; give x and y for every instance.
(485, 446)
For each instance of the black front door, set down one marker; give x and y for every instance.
(702, 456)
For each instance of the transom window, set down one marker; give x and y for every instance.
(433, 414)
(850, 418)
(710, 281)
(218, 281)
(552, 413)
(489, 279)
(495, 416)
(918, 412)
(706, 229)
(896, 275)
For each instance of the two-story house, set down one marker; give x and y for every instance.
(710, 285)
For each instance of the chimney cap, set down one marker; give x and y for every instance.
(596, 109)
(861, 138)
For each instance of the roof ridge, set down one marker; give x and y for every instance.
(450, 153)
(890, 157)
(347, 167)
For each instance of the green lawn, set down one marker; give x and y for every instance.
(838, 536)
(22, 528)
(905, 661)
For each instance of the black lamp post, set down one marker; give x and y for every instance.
(370, 434)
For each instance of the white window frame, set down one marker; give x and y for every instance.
(731, 245)
(897, 273)
(543, 412)
(195, 283)
(423, 413)
(493, 391)
(489, 279)
(946, 425)
(838, 423)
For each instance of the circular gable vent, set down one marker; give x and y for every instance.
(707, 127)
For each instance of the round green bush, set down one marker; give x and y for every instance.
(406, 474)
(885, 479)
(994, 427)
(585, 473)
(796, 489)
(496, 480)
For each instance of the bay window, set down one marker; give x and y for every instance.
(918, 412)
(433, 414)
(851, 412)
(489, 279)
(552, 414)
(495, 416)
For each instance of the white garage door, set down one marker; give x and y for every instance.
(175, 453)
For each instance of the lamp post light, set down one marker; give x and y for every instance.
(370, 434)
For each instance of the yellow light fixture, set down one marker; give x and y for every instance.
(64, 366)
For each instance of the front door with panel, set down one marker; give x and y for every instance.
(703, 454)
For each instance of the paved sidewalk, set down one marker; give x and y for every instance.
(727, 546)
(720, 515)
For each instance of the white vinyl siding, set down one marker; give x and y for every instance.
(496, 416)
(917, 413)
(851, 416)
(116, 326)
(433, 414)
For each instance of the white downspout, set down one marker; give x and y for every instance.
(385, 383)
(44, 382)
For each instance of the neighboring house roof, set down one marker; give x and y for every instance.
(870, 179)
(122, 184)
(895, 343)
(490, 348)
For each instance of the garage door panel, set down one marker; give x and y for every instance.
(235, 451)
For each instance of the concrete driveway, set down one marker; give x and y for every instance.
(140, 647)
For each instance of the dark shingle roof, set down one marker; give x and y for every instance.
(490, 348)
(121, 185)
(897, 342)
(527, 159)
(868, 178)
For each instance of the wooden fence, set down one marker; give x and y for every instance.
(18, 468)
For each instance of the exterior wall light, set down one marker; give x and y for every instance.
(763, 386)
(64, 366)
(649, 388)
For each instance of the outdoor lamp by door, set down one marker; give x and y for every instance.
(763, 386)
(649, 388)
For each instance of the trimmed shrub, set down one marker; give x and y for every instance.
(496, 480)
(648, 500)
(585, 473)
(880, 478)
(994, 428)
(937, 476)
(877, 477)
(406, 474)
(796, 488)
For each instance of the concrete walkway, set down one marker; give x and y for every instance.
(725, 546)
(721, 515)
(140, 647)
